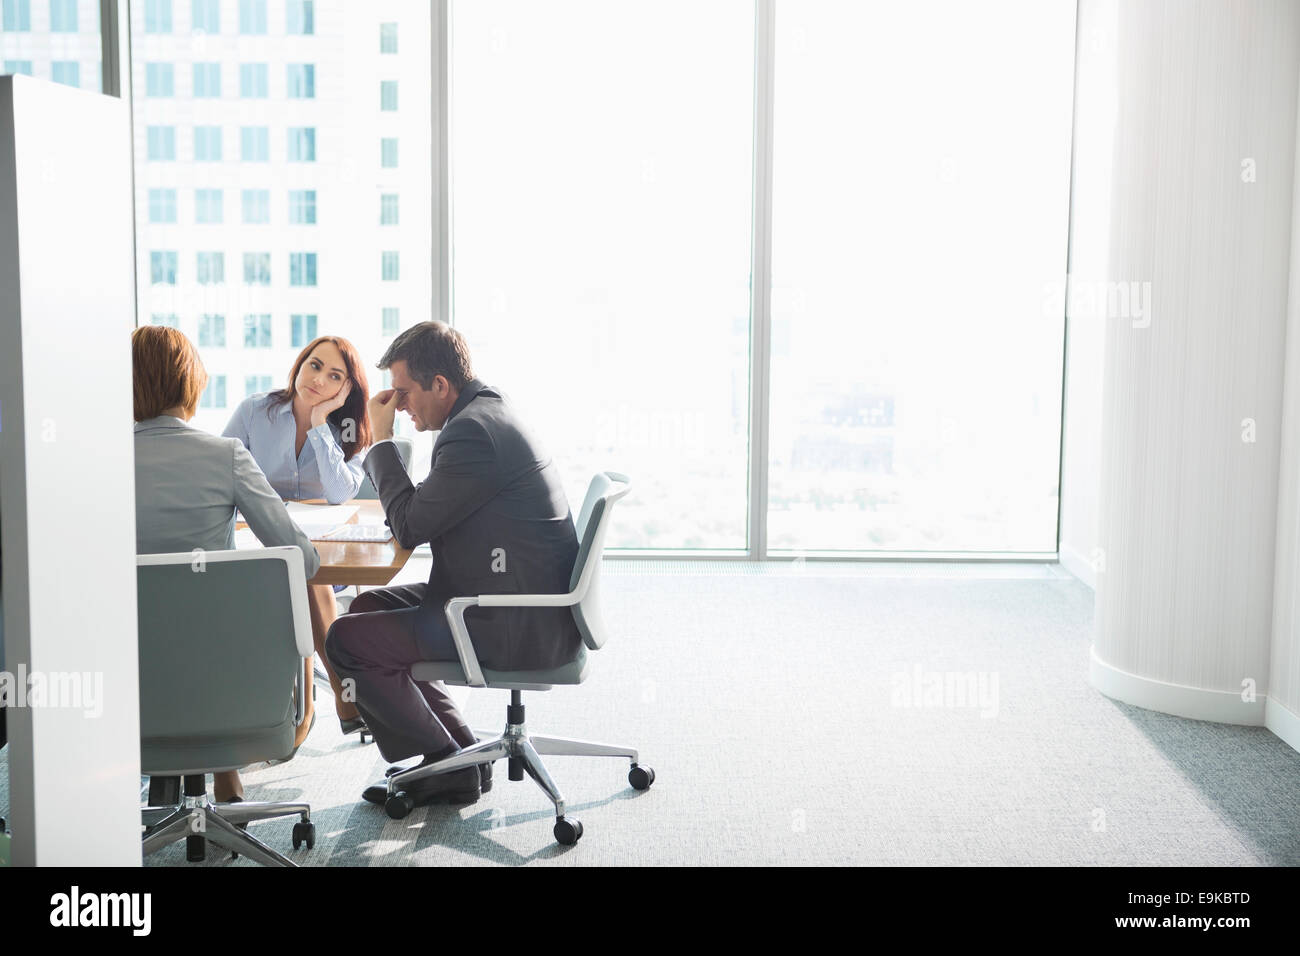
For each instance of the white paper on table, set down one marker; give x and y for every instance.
(317, 520)
(244, 539)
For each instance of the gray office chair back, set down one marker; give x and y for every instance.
(593, 522)
(405, 449)
(222, 636)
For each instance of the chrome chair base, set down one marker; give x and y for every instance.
(218, 823)
(515, 743)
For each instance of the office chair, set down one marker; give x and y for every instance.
(223, 635)
(522, 749)
(405, 449)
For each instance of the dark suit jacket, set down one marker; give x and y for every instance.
(494, 513)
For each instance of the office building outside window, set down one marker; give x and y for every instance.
(161, 143)
(158, 79)
(169, 319)
(300, 18)
(257, 331)
(388, 95)
(17, 16)
(207, 206)
(388, 38)
(302, 329)
(388, 266)
(254, 144)
(301, 82)
(302, 206)
(302, 144)
(63, 16)
(162, 205)
(253, 80)
(302, 268)
(389, 321)
(207, 80)
(157, 16)
(257, 205)
(210, 268)
(67, 72)
(214, 396)
(256, 384)
(212, 331)
(252, 17)
(257, 268)
(269, 95)
(162, 268)
(388, 209)
(205, 16)
(207, 144)
(19, 67)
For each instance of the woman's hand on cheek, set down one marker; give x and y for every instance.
(322, 411)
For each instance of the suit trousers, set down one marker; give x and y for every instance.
(374, 645)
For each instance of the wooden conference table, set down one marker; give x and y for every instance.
(358, 562)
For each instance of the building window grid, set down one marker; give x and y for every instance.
(302, 268)
(388, 209)
(302, 206)
(210, 268)
(252, 17)
(257, 331)
(302, 144)
(257, 268)
(255, 144)
(389, 270)
(256, 205)
(157, 16)
(302, 329)
(207, 144)
(212, 331)
(205, 16)
(162, 267)
(161, 143)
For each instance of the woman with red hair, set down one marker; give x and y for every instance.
(307, 438)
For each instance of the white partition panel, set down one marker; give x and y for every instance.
(67, 482)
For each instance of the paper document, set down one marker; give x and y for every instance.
(319, 520)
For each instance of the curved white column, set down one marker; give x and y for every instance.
(1204, 149)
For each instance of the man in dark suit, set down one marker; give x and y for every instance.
(495, 516)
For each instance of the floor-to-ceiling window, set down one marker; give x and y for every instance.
(919, 218)
(600, 180)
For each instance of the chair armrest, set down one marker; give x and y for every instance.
(455, 612)
(300, 695)
(527, 600)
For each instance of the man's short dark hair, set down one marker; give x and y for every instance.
(430, 349)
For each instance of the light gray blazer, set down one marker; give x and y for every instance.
(188, 484)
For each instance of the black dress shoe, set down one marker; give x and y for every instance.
(353, 725)
(458, 786)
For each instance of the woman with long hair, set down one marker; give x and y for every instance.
(308, 439)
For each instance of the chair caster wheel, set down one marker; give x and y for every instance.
(641, 777)
(399, 804)
(567, 832)
(366, 737)
(304, 832)
(196, 848)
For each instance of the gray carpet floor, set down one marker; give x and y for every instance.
(779, 706)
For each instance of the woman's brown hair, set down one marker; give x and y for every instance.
(165, 371)
(353, 407)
